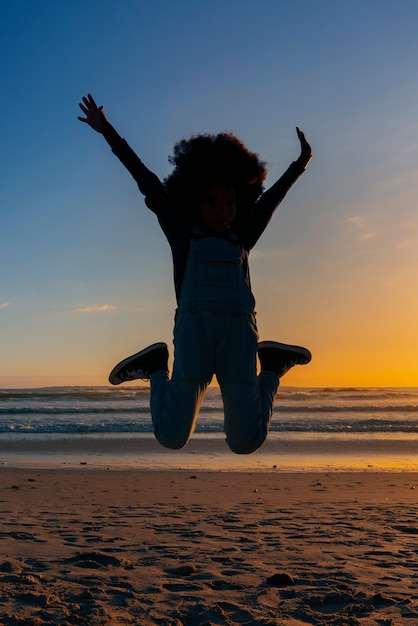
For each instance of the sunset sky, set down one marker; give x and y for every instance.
(85, 272)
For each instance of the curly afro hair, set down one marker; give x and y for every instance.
(205, 159)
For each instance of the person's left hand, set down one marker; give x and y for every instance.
(305, 149)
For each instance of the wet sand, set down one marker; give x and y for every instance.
(209, 452)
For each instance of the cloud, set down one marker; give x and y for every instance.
(356, 220)
(4, 305)
(94, 308)
(361, 228)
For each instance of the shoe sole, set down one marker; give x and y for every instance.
(289, 348)
(128, 360)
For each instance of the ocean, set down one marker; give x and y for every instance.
(312, 428)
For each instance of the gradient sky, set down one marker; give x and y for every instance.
(85, 273)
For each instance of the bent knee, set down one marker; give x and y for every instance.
(244, 447)
(174, 442)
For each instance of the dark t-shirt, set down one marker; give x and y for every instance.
(179, 232)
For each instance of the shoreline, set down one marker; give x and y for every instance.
(208, 453)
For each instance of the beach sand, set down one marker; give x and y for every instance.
(90, 547)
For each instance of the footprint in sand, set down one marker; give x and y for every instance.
(96, 560)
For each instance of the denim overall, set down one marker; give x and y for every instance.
(214, 333)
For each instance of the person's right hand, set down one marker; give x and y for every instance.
(95, 116)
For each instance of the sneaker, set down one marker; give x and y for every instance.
(141, 365)
(280, 358)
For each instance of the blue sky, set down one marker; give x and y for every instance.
(85, 273)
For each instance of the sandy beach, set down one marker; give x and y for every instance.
(87, 546)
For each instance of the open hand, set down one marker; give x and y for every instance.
(95, 116)
(305, 149)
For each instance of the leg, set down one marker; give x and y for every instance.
(248, 398)
(175, 403)
(175, 406)
(248, 412)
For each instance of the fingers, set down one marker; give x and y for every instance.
(90, 110)
(89, 101)
(88, 104)
(305, 145)
(301, 135)
(306, 150)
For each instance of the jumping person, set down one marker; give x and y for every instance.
(212, 210)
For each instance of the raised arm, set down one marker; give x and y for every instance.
(98, 121)
(148, 183)
(270, 200)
